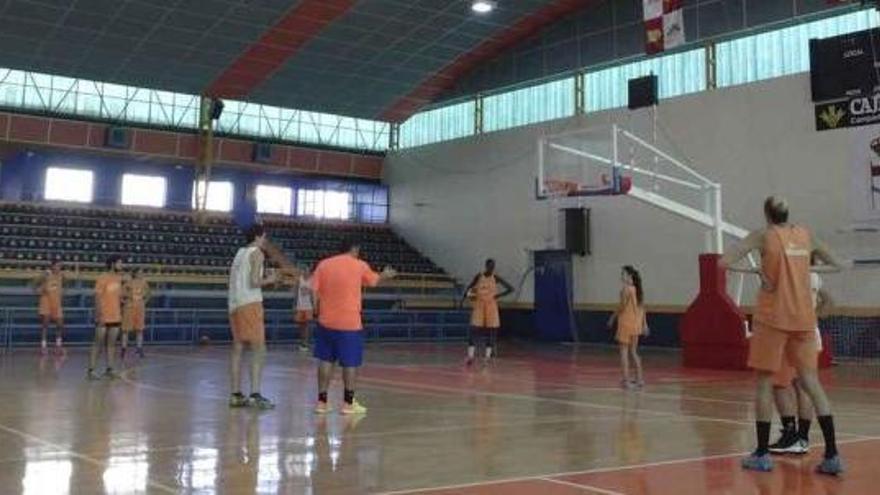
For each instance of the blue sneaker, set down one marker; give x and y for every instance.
(756, 462)
(830, 465)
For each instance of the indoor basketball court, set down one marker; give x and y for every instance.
(613, 247)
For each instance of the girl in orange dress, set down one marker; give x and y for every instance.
(631, 323)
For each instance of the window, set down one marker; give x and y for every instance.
(677, 74)
(274, 199)
(440, 124)
(548, 101)
(69, 184)
(782, 51)
(143, 190)
(324, 204)
(219, 195)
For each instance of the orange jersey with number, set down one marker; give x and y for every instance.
(136, 292)
(786, 303)
(486, 288)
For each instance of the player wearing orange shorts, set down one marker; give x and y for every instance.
(246, 319)
(631, 323)
(50, 287)
(136, 293)
(785, 322)
(791, 401)
(305, 310)
(485, 316)
(108, 317)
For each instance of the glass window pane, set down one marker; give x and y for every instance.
(274, 199)
(548, 101)
(68, 184)
(678, 74)
(440, 124)
(143, 190)
(783, 51)
(219, 195)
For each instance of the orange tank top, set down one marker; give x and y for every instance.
(787, 301)
(631, 314)
(52, 284)
(486, 288)
(135, 291)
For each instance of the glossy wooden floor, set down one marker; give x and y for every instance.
(547, 421)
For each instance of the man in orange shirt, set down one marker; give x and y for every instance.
(136, 291)
(50, 287)
(485, 316)
(338, 284)
(785, 323)
(108, 316)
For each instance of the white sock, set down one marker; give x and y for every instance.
(57, 341)
(471, 351)
(488, 352)
(43, 343)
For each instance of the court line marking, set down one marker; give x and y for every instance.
(631, 467)
(78, 455)
(582, 486)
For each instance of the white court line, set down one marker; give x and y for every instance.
(582, 486)
(630, 467)
(72, 453)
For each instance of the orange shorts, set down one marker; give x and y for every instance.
(626, 338)
(304, 316)
(133, 319)
(770, 349)
(247, 324)
(485, 315)
(51, 308)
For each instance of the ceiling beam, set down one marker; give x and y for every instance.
(303, 22)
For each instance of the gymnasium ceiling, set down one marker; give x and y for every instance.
(378, 59)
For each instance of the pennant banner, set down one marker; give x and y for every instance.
(664, 25)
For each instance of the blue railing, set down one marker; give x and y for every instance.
(21, 326)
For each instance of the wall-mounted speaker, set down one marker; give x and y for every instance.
(642, 92)
(577, 230)
(262, 152)
(117, 137)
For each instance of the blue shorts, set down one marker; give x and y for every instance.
(346, 348)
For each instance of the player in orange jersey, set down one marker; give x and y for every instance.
(108, 317)
(631, 323)
(50, 286)
(136, 293)
(485, 316)
(784, 324)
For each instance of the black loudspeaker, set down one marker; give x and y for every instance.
(216, 108)
(116, 137)
(577, 231)
(262, 153)
(643, 92)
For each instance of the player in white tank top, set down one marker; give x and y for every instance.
(246, 282)
(304, 310)
(241, 289)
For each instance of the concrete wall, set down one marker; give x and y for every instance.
(464, 200)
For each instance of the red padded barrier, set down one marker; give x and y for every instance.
(711, 329)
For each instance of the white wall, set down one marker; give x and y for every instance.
(465, 200)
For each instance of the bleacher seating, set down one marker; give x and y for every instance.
(31, 234)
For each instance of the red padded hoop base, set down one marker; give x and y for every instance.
(712, 329)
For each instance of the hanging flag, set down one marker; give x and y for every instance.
(664, 25)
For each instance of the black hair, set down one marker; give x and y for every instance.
(346, 245)
(776, 210)
(637, 282)
(55, 261)
(254, 231)
(112, 260)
